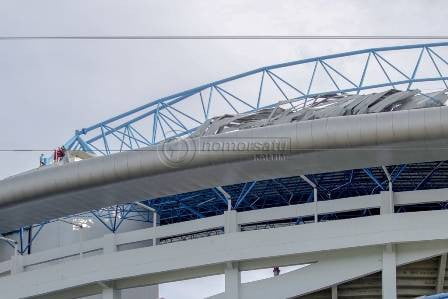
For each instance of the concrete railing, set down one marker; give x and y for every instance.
(231, 222)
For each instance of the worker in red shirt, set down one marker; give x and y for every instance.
(59, 154)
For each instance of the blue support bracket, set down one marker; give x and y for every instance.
(244, 192)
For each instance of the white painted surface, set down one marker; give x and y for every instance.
(389, 272)
(335, 268)
(46, 271)
(207, 256)
(58, 240)
(232, 278)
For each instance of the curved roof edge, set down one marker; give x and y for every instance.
(184, 165)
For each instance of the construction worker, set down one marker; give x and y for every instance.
(63, 150)
(59, 154)
(276, 271)
(56, 155)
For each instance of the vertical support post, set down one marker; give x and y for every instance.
(109, 244)
(16, 259)
(315, 205)
(389, 273)
(441, 274)
(226, 196)
(16, 264)
(314, 186)
(231, 272)
(231, 222)
(334, 292)
(154, 225)
(154, 219)
(232, 281)
(81, 245)
(30, 239)
(21, 240)
(111, 293)
(387, 204)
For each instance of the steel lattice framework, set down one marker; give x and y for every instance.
(294, 84)
(297, 82)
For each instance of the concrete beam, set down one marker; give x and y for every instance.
(170, 276)
(344, 265)
(240, 246)
(78, 292)
(277, 213)
(337, 267)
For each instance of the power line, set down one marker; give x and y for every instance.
(224, 37)
(149, 149)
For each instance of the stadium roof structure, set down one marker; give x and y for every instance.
(358, 85)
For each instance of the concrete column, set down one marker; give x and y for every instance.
(314, 186)
(231, 222)
(17, 264)
(388, 206)
(155, 221)
(316, 219)
(387, 201)
(109, 245)
(111, 293)
(334, 292)
(232, 281)
(441, 274)
(81, 240)
(231, 272)
(389, 273)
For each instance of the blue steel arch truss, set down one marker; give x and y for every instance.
(294, 84)
(297, 84)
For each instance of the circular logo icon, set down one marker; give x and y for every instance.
(177, 152)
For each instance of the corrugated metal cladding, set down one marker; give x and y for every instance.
(323, 107)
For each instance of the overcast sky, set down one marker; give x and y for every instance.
(50, 88)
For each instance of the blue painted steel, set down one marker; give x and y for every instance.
(220, 196)
(247, 188)
(372, 176)
(168, 120)
(428, 176)
(168, 117)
